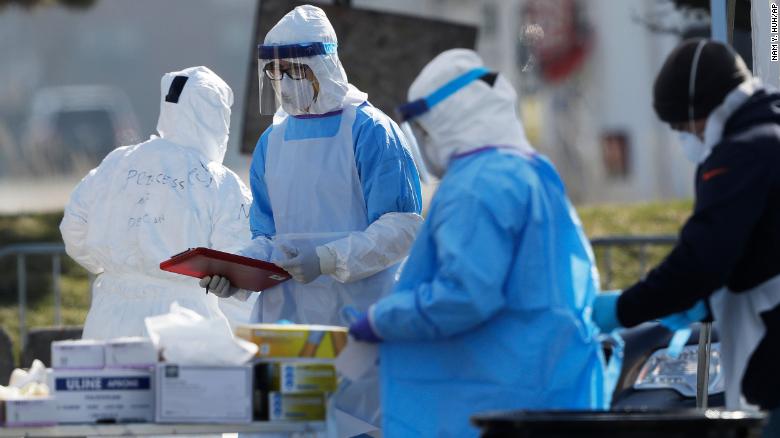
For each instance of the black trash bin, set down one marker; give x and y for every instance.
(619, 424)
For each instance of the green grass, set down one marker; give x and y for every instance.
(74, 285)
(600, 220)
(646, 219)
(652, 218)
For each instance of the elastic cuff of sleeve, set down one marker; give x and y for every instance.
(327, 260)
(242, 295)
(370, 317)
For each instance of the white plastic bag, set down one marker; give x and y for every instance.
(26, 383)
(186, 338)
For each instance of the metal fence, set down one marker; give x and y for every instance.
(20, 252)
(57, 250)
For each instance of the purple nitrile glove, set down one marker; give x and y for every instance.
(361, 330)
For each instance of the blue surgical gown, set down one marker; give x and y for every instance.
(387, 173)
(492, 309)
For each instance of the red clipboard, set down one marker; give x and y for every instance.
(243, 272)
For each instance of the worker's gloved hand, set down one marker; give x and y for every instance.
(219, 286)
(605, 311)
(301, 262)
(361, 330)
(681, 320)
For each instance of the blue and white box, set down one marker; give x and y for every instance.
(109, 395)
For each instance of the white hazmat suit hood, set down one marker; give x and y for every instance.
(306, 25)
(200, 117)
(477, 115)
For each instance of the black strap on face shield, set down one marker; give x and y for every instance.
(489, 78)
(176, 88)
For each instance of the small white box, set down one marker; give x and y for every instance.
(198, 394)
(130, 353)
(78, 354)
(111, 395)
(30, 412)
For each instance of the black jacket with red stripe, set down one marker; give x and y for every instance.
(732, 239)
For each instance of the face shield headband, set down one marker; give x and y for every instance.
(416, 108)
(300, 50)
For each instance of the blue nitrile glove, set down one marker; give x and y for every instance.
(605, 311)
(681, 320)
(361, 330)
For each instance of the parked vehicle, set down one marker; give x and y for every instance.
(72, 128)
(651, 379)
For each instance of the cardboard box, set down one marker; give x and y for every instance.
(78, 354)
(298, 377)
(197, 394)
(294, 340)
(296, 407)
(131, 353)
(111, 395)
(29, 412)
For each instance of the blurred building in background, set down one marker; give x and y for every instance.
(77, 82)
(584, 70)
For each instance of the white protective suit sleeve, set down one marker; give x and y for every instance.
(259, 248)
(75, 220)
(230, 231)
(75, 224)
(384, 243)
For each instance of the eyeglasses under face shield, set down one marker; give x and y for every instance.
(285, 74)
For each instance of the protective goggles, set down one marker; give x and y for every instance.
(283, 71)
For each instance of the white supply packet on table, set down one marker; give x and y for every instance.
(78, 354)
(131, 352)
(26, 383)
(26, 401)
(186, 338)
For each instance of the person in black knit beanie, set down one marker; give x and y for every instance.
(726, 264)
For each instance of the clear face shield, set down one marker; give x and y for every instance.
(413, 131)
(286, 78)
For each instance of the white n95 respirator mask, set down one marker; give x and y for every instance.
(296, 96)
(693, 147)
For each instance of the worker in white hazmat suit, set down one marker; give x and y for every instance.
(147, 202)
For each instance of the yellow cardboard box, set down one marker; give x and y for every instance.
(295, 340)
